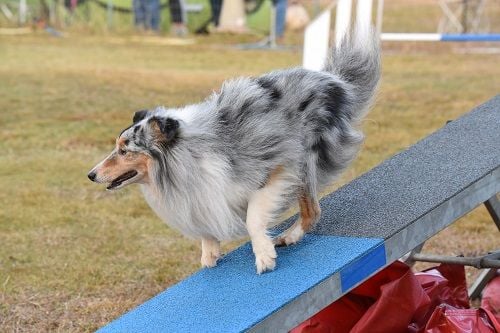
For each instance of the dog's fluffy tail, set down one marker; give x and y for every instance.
(356, 60)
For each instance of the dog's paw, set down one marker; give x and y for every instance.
(209, 259)
(291, 236)
(210, 252)
(265, 259)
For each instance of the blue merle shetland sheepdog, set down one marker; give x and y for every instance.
(230, 165)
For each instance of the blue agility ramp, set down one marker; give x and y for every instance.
(365, 225)
(232, 298)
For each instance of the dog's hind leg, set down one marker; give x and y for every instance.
(308, 204)
(210, 251)
(309, 214)
(262, 208)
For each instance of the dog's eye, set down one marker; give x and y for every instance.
(122, 151)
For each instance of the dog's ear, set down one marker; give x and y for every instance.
(139, 115)
(168, 127)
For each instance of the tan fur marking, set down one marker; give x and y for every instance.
(309, 212)
(142, 163)
(120, 143)
(157, 133)
(109, 163)
(274, 175)
(116, 165)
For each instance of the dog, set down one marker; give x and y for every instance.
(229, 166)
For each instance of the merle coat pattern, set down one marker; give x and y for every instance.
(230, 165)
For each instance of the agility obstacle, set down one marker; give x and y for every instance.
(317, 33)
(429, 37)
(365, 225)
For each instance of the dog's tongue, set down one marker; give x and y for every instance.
(117, 182)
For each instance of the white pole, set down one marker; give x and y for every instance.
(380, 16)
(22, 11)
(423, 37)
(316, 42)
(182, 3)
(364, 16)
(232, 16)
(342, 20)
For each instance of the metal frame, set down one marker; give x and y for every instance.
(442, 215)
(493, 207)
(490, 261)
(481, 282)
(302, 307)
(463, 9)
(409, 257)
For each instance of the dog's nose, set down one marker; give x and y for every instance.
(92, 175)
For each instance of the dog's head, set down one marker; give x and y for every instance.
(132, 159)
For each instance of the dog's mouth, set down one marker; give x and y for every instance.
(118, 182)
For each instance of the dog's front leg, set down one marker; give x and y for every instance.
(262, 244)
(210, 252)
(261, 208)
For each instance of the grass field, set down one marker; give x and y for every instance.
(73, 256)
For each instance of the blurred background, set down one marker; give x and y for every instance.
(72, 72)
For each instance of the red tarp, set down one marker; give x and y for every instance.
(398, 300)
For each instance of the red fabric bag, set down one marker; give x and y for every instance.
(491, 298)
(444, 284)
(397, 300)
(447, 319)
(395, 290)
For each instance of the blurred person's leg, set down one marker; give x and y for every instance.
(176, 14)
(139, 13)
(147, 14)
(281, 6)
(155, 14)
(216, 6)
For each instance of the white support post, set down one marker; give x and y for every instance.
(380, 16)
(232, 16)
(364, 16)
(342, 20)
(182, 3)
(316, 42)
(22, 11)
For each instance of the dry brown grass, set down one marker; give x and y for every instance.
(72, 256)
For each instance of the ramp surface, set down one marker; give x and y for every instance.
(365, 225)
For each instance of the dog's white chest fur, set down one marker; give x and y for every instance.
(216, 209)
